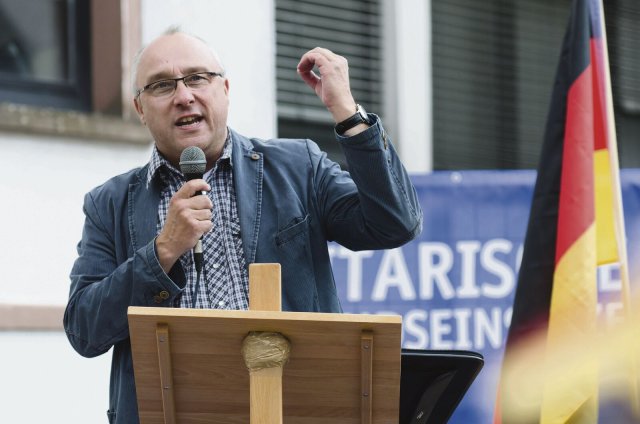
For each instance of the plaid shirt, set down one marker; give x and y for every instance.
(224, 281)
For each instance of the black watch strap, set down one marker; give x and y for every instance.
(357, 118)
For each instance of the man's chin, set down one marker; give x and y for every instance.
(198, 140)
(207, 143)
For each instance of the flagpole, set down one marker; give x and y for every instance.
(619, 224)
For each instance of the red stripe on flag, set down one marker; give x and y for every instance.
(576, 206)
(599, 111)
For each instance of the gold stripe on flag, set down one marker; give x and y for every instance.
(572, 322)
(607, 246)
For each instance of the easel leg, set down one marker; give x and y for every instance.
(366, 373)
(166, 375)
(266, 396)
(264, 355)
(266, 382)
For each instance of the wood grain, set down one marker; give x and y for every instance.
(321, 383)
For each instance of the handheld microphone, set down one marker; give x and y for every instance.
(193, 164)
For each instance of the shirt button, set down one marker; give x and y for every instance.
(164, 295)
(216, 266)
(255, 156)
(157, 299)
(221, 303)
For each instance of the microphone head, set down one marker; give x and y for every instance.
(193, 162)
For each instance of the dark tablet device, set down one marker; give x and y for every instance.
(433, 382)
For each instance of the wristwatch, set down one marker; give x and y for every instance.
(359, 117)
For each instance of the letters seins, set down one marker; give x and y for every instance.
(451, 296)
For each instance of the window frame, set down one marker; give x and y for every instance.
(75, 92)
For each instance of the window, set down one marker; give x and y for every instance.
(623, 30)
(494, 66)
(623, 35)
(350, 28)
(44, 53)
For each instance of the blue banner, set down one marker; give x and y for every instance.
(454, 284)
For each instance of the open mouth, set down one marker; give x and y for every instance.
(188, 120)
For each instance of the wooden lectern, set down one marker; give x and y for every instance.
(189, 366)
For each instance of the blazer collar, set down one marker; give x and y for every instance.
(143, 198)
(248, 167)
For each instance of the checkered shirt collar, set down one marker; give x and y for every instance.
(158, 160)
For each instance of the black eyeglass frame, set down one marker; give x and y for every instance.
(176, 80)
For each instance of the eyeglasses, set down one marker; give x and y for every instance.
(167, 87)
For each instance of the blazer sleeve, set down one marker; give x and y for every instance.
(374, 205)
(105, 281)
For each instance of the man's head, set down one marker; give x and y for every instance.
(195, 113)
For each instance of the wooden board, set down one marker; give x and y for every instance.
(321, 383)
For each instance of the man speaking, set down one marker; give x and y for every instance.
(264, 201)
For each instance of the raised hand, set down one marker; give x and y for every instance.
(332, 85)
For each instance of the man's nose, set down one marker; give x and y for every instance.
(183, 94)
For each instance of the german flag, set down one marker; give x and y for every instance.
(575, 224)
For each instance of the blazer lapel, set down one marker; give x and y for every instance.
(247, 177)
(142, 200)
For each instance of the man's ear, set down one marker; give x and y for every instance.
(138, 105)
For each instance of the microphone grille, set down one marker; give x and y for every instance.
(193, 161)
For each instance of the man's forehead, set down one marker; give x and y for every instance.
(176, 52)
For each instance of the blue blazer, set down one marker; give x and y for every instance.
(291, 200)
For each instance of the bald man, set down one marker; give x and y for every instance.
(266, 201)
